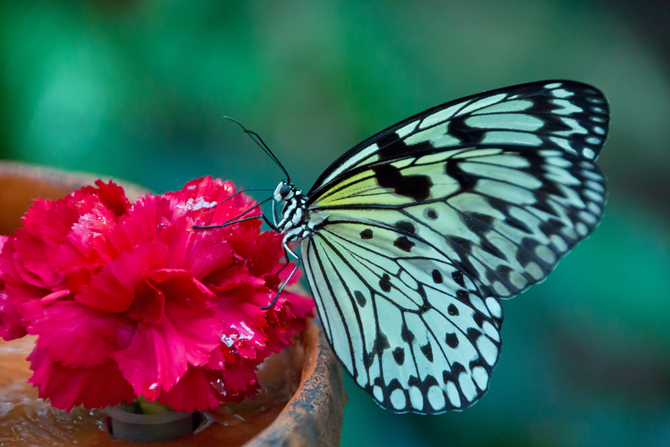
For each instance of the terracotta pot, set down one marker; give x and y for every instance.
(312, 416)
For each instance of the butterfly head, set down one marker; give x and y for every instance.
(284, 192)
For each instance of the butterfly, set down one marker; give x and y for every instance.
(411, 239)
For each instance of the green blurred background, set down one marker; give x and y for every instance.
(137, 90)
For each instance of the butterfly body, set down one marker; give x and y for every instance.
(410, 240)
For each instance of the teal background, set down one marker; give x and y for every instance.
(137, 90)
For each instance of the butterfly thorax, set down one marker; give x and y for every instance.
(294, 214)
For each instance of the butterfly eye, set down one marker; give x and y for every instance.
(284, 190)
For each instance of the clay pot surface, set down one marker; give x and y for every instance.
(311, 417)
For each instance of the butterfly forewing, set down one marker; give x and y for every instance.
(416, 233)
(570, 116)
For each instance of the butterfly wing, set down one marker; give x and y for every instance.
(421, 229)
(570, 116)
(405, 322)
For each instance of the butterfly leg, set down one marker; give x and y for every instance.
(274, 300)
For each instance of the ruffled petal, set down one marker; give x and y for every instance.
(149, 303)
(193, 392)
(199, 251)
(66, 387)
(262, 250)
(112, 195)
(200, 332)
(244, 320)
(112, 289)
(154, 359)
(70, 333)
(159, 355)
(228, 278)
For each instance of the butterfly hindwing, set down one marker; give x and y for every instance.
(407, 324)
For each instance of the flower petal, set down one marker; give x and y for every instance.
(154, 359)
(94, 387)
(112, 288)
(112, 195)
(228, 278)
(149, 303)
(193, 392)
(244, 320)
(71, 333)
(158, 356)
(199, 331)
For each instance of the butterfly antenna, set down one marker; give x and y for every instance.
(259, 141)
(241, 191)
(234, 220)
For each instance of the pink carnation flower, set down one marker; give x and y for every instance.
(129, 300)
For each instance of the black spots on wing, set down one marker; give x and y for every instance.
(465, 181)
(545, 208)
(390, 146)
(381, 343)
(360, 298)
(551, 226)
(456, 370)
(551, 188)
(385, 283)
(427, 351)
(463, 296)
(414, 381)
(416, 187)
(517, 224)
(422, 292)
(437, 276)
(425, 307)
(492, 276)
(479, 319)
(504, 271)
(526, 254)
(473, 334)
(430, 213)
(459, 244)
(406, 226)
(422, 385)
(463, 248)
(499, 205)
(477, 223)
(502, 274)
(452, 340)
(399, 355)
(368, 359)
(488, 247)
(403, 244)
(453, 310)
(366, 234)
(466, 134)
(458, 278)
(406, 335)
